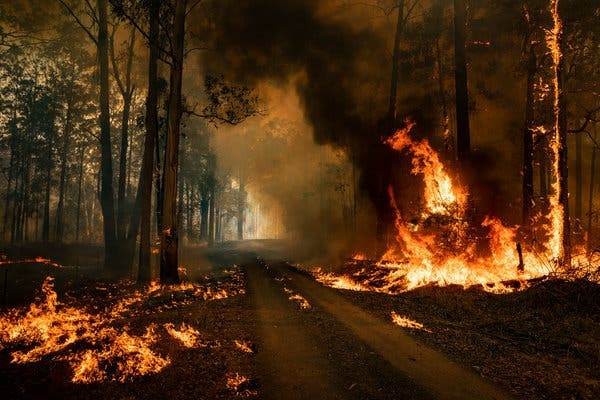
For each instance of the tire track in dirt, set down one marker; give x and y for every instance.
(423, 365)
(307, 354)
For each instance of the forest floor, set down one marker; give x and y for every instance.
(305, 341)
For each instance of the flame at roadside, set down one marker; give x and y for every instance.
(439, 249)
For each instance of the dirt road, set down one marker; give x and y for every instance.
(335, 350)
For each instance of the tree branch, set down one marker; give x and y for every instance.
(79, 22)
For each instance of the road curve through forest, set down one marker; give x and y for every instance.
(336, 350)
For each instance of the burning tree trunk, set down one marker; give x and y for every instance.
(144, 195)
(169, 233)
(561, 230)
(528, 138)
(463, 135)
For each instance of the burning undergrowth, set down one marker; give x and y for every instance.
(444, 245)
(96, 338)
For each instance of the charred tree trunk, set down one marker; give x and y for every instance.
(528, 139)
(169, 233)
(463, 135)
(107, 200)
(145, 179)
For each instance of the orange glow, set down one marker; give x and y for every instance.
(439, 248)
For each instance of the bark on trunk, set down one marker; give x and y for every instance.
(241, 206)
(107, 200)
(528, 139)
(169, 233)
(591, 194)
(127, 91)
(46, 225)
(145, 180)
(395, 66)
(79, 193)
(463, 135)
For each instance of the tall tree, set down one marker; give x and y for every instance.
(169, 234)
(144, 194)
(463, 134)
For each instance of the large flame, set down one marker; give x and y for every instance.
(440, 249)
(441, 195)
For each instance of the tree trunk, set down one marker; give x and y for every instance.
(63, 176)
(79, 193)
(145, 179)
(127, 94)
(8, 193)
(46, 225)
(204, 216)
(107, 200)
(211, 213)
(448, 140)
(240, 209)
(591, 194)
(560, 110)
(528, 139)
(578, 176)
(463, 135)
(395, 66)
(169, 233)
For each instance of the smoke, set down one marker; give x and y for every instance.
(338, 68)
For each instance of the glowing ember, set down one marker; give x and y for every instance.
(298, 299)
(238, 384)
(188, 336)
(405, 322)
(37, 260)
(243, 346)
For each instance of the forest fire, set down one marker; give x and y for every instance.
(99, 345)
(439, 248)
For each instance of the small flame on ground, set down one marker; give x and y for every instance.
(405, 322)
(236, 383)
(298, 299)
(185, 334)
(243, 346)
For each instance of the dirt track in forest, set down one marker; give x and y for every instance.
(336, 350)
